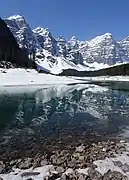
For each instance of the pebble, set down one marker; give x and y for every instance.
(125, 167)
(2, 166)
(52, 177)
(80, 149)
(81, 177)
(29, 174)
(104, 149)
(118, 163)
(122, 141)
(81, 158)
(60, 169)
(27, 163)
(93, 174)
(115, 175)
(43, 162)
(64, 177)
(69, 171)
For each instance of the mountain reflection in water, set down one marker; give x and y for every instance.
(59, 112)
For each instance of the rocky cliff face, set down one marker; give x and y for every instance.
(124, 43)
(58, 53)
(103, 49)
(10, 53)
(22, 32)
(46, 40)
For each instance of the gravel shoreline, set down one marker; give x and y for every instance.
(79, 162)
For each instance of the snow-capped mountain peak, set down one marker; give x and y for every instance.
(107, 34)
(22, 32)
(107, 37)
(19, 20)
(52, 53)
(15, 17)
(74, 38)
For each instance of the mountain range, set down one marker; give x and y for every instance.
(54, 54)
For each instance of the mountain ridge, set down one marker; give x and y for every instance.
(56, 54)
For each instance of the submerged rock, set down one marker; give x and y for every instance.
(114, 176)
(25, 164)
(80, 148)
(2, 166)
(93, 174)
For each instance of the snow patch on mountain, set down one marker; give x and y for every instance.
(14, 17)
(55, 64)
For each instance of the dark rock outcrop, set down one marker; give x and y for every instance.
(10, 51)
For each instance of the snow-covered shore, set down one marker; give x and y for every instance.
(104, 78)
(22, 77)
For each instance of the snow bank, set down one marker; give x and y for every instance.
(22, 77)
(37, 174)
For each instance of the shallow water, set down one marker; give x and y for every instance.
(61, 115)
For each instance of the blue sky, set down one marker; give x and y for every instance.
(82, 18)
